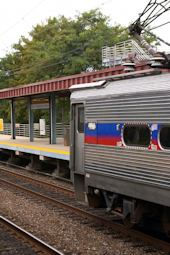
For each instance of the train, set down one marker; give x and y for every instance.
(120, 146)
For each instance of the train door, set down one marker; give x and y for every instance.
(79, 138)
(79, 178)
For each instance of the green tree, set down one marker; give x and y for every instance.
(58, 36)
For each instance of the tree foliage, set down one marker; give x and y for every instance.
(58, 36)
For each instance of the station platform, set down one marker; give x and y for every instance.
(40, 147)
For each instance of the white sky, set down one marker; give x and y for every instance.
(18, 17)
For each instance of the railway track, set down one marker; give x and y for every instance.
(35, 172)
(39, 182)
(14, 239)
(61, 197)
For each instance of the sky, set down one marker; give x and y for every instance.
(20, 16)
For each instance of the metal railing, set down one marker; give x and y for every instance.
(23, 130)
(120, 51)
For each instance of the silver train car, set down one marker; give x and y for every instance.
(120, 146)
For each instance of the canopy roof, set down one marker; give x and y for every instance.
(60, 85)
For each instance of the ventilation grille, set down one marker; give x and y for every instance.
(151, 167)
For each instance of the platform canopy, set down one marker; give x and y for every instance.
(51, 89)
(60, 85)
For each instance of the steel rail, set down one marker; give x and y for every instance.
(35, 171)
(29, 237)
(49, 185)
(115, 226)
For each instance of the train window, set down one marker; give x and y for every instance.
(81, 119)
(165, 137)
(137, 135)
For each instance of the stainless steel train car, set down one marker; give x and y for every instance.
(120, 146)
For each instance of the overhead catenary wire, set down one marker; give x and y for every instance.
(68, 52)
(45, 29)
(157, 37)
(25, 22)
(38, 68)
(159, 26)
(21, 19)
(162, 10)
(74, 49)
(28, 25)
(33, 34)
(3, 41)
(68, 7)
(61, 62)
(153, 12)
(106, 2)
(148, 7)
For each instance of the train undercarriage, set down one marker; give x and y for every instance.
(133, 212)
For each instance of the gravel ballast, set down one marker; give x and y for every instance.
(69, 235)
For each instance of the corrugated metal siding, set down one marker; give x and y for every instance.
(153, 108)
(147, 166)
(152, 167)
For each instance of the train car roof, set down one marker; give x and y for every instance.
(146, 84)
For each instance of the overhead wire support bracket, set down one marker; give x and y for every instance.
(154, 12)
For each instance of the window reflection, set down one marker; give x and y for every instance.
(81, 119)
(165, 137)
(136, 135)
